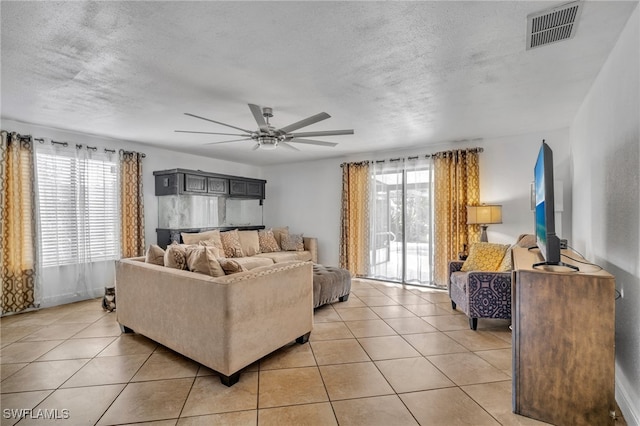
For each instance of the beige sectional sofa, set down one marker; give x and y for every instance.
(225, 323)
(252, 252)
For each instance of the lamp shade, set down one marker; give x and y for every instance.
(485, 214)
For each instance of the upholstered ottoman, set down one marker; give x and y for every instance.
(330, 283)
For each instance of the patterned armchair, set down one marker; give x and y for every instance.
(480, 294)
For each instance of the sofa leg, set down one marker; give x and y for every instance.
(230, 380)
(343, 298)
(304, 338)
(125, 329)
(473, 323)
(453, 305)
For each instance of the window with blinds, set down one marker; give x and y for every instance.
(78, 207)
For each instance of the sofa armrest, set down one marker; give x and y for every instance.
(311, 244)
(455, 266)
(489, 294)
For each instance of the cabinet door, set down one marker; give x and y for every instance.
(238, 187)
(218, 186)
(195, 183)
(166, 184)
(255, 189)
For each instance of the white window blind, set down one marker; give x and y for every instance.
(78, 206)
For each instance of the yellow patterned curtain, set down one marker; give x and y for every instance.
(354, 220)
(132, 204)
(457, 185)
(17, 215)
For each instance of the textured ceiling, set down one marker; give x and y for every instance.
(401, 74)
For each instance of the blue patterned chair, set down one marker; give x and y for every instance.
(483, 294)
(480, 294)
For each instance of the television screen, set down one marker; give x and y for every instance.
(548, 241)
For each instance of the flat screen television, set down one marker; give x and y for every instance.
(548, 241)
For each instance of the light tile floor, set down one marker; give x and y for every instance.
(390, 355)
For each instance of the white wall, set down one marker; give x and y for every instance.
(156, 159)
(605, 152)
(306, 196)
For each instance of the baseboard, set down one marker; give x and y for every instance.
(624, 400)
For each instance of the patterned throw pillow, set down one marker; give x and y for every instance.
(267, 241)
(507, 263)
(484, 257)
(175, 256)
(231, 244)
(155, 255)
(292, 242)
(230, 266)
(202, 259)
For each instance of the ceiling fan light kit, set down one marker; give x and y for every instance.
(268, 137)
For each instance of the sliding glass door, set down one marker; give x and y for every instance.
(401, 221)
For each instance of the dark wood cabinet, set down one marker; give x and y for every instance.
(181, 181)
(195, 183)
(563, 342)
(218, 186)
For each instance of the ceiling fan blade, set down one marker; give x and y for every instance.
(257, 114)
(312, 142)
(256, 146)
(217, 122)
(233, 140)
(286, 145)
(322, 133)
(304, 123)
(210, 133)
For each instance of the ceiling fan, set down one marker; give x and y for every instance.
(268, 137)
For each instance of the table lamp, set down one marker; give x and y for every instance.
(484, 216)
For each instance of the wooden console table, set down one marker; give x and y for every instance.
(563, 341)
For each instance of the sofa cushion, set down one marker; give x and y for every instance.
(155, 255)
(175, 256)
(253, 261)
(231, 244)
(194, 238)
(231, 266)
(292, 242)
(287, 256)
(249, 242)
(484, 257)
(267, 241)
(202, 259)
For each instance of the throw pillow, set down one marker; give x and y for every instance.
(231, 244)
(230, 266)
(506, 265)
(484, 257)
(279, 232)
(155, 255)
(175, 256)
(249, 242)
(292, 242)
(527, 241)
(195, 238)
(267, 241)
(202, 259)
(212, 245)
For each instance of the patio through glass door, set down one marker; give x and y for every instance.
(401, 213)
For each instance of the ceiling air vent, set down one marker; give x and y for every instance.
(553, 25)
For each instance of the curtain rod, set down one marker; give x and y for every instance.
(80, 146)
(415, 157)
